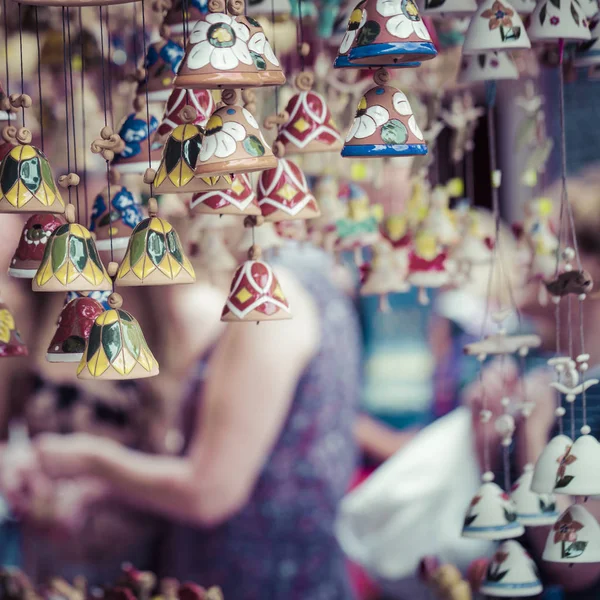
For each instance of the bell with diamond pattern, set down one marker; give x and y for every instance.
(239, 199)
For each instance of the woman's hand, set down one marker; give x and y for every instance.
(68, 456)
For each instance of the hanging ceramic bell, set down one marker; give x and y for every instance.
(11, 343)
(384, 125)
(154, 255)
(447, 8)
(73, 330)
(184, 14)
(200, 100)
(574, 538)
(30, 251)
(577, 473)
(239, 199)
(138, 137)
(533, 510)
(255, 294)
(487, 66)
(161, 64)
(524, 7)
(588, 53)
(495, 26)
(556, 20)
(492, 515)
(546, 468)
(71, 261)
(511, 573)
(283, 193)
(116, 347)
(233, 142)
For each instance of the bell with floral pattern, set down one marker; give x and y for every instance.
(554, 20)
(200, 100)
(239, 199)
(255, 293)
(487, 66)
(11, 343)
(495, 26)
(533, 510)
(384, 124)
(447, 8)
(577, 474)
(141, 150)
(34, 238)
(116, 347)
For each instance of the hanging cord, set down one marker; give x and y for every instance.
(65, 68)
(569, 327)
(146, 88)
(186, 31)
(83, 120)
(5, 15)
(134, 35)
(558, 394)
(39, 74)
(275, 52)
(21, 60)
(582, 371)
(73, 111)
(104, 102)
(109, 62)
(300, 35)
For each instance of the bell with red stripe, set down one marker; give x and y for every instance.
(201, 100)
(239, 199)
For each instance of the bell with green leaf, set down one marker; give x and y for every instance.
(116, 347)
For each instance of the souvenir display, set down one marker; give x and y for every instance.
(139, 151)
(546, 468)
(11, 343)
(487, 66)
(200, 100)
(533, 510)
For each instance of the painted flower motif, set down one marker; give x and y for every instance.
(498, 15)
(565, 530)
(221, 138)
(7, 325)
(356, 22)
(221, 41)
(404, 19)
(135, 130)
(554, 20)
(367, 120)
(260, 44)
(401, 103)
(412, 123)
(500, 557)
(250, 118)
(564, 461)
(125, 205)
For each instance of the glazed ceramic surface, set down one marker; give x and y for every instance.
(524, 7)
(546, 468)
(11, 343)
(239, 199)
(553, 20)
(533, 510)
(138, 137)
(577, 473)
(588, 53)
(487, 66)
(161, 64)
(201, 100)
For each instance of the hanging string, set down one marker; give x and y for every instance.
(21, 60)
(274, 46)
(558, 394)
(104, 104)
(301, 36)
(184, 17)
(65, 68)
(134, 35)
(83, 120)
(486, 424)
(6, 48)
(39, 74)
(146, 87)
(109, 62)
(73, 110)
(570, 335)
(583, 394)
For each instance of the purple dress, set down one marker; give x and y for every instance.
(281, 546)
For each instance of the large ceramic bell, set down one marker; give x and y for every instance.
(11, 343)
(138, 136)
(546, 468)
(233, 143)
(200, 100)
(116, 347)
(154, 255)
(533, 510)
(283, 193)
(27, 183)
(588, 53)
(574, 538)
(577, 473)
(554, 20)
(255, 294)
(447, 8)
(71, 261)
(73, 330)
(511, 573)
(495, 26)
(487, 66)
(34, 238)
(239, 199)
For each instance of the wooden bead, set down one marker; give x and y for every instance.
(70, 213)
(255, 253)
(115, 300)
(112, 268)
(149, 176)
(152, 207)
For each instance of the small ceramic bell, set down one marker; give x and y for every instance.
(447, 8)
(116, 347)
(386, 273)
(11, 343)
(574, 538)
(200, 100)
(487, 66)
(384, 125)
(161, 64)
(577, 473)
(524, 7)
(154, 255)
(233, 143)
(73, 330)
(71, 261)
(239, 199)
(137, 137)
(495, 26)
(588, 53)
(255, 294)
(556, 20)
(283, 193)
(30, 251)
(511, 573)
(265, 236)
(184, 13)
(546, 468)
(492, 515)
(533, 510)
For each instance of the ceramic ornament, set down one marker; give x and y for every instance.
(73, 330)
(495, 26)
(556, 20)
(228, 51)
(137, 137)
(239, 199)
(492, 515)
(524, 7)
(255, 294)
(588, 53)
(546, 468)
(577, 473)
(154, 255)
(501, 343)
(487, 66)
(511, 573)
(200, 100)
(192, 10)
(533, 510)
(30, 251)
(574, 538)
(462, 118)
(283, 193)
(11, 343)
(233, 142)
(384, 125)
(292, 230)
(116, 347)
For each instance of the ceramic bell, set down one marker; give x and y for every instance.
(492, 515)
(283, 193)
(556, 20)
(574, 538)
(11, 343)
(71, 261)
(533, 510)
(511, 573)
(190, 10)
(588, 53)
(239, 199)
(265, 236)
(116, 347)
(590, 8)
(487, 66)
(73, 330)
(27, 183)
(386, 272)
(384, 125)
(546, 468)
(137, 136)
(255, 294)
(578, 473)
(154, 255)
(200, 100)
(524, 7)
(162, 62)
(30, 251)
(495, 26)
(233, 143)
(447, 8)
